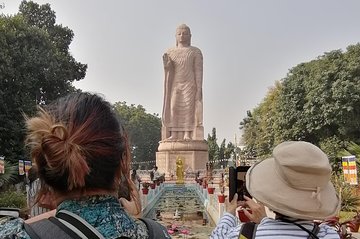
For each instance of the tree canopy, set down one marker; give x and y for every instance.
(144, 131)
(34, 55)
(218, 154)
(318, 102)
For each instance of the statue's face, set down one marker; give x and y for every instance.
(183, 36)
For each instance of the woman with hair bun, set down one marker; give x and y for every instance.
(82, 152)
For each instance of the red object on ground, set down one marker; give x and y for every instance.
(145, 191)
(211, 190)
(221, 198)
(152, 186)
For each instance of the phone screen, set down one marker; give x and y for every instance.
(237, 182)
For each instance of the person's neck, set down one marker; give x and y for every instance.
(183, 44)
(60, 197)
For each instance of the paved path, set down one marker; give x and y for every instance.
(356, 235)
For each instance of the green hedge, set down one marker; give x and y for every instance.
(11, 198)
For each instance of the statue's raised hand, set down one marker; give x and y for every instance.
(167, 62)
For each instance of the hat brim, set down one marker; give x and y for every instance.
(264, 184)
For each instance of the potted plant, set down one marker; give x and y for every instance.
(145, 188)
(222, 196)
(210, 188)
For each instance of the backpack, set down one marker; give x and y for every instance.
(248, 230)
(67, 225)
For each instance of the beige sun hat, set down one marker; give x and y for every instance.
(295, 182)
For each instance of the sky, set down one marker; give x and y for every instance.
(247, 46)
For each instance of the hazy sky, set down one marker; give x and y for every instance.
(247, 46)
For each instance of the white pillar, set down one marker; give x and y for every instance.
(221, 209)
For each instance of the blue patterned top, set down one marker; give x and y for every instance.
(104, 213)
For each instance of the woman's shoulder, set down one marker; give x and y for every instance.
(142, 229)
(325, 231)
(328, 230)
(12, 228)
(107, 216)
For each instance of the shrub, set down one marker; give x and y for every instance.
(11, 198)
(350, 200)
(145, 184)
(10, 175)
(346, 216)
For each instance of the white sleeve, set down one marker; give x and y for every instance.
(228, 227)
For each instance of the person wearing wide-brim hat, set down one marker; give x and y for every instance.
(295, 184)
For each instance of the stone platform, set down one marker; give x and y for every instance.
(194, 154)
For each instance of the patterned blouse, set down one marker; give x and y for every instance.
(104, 213)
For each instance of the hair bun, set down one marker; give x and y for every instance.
(60, 131)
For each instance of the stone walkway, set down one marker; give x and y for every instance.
(356, 235)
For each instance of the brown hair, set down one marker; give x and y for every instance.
(78, 143)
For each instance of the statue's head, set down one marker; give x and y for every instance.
(179, 160)
(183, 35)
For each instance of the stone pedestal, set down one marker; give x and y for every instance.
(193, 152)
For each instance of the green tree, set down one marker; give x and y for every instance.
(143, 130)
(266, 122)
(213, 146)
(34, 54)
(322, 98)
(350, 149)
(222, 149)
(250, 127)
(229, 150)
(318, 102)
(218, 153)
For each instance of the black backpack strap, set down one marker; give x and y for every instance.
(155, 229)
(65, 225)
(248, 230)
(314, 231)
(312, 234)
(78, 225)
(30, 231)
(49, 229)
(64, 228)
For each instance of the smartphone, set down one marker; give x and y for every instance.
(237, 182)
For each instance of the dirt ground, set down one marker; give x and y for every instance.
(192, 228)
